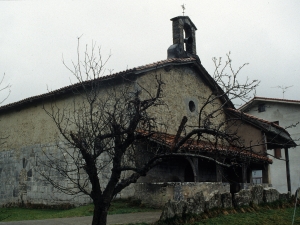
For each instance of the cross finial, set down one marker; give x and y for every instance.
(183, 8)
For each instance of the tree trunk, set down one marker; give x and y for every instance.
(100, 214)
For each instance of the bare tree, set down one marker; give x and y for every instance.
(108, 130)
(4, 88)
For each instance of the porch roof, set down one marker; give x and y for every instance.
(202, 147)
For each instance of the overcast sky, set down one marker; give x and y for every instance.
(35, 35)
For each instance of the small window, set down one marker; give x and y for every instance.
(256, 176)
(277, 153)
(192, 106)
(261, 107)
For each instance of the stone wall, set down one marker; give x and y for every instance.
(199, 202)
(157, 194)
(21, 181)
(181, 86)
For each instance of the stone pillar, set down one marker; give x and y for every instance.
(194, 50)
(178, 31)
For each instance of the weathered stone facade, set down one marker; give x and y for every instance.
(31, 133)
(181, 85)
(21, 181)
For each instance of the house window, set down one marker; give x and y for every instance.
(256, 176)
(277, 153)
(261, 107)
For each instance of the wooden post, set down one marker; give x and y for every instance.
(244, 175)
(265, 173)
(196, 170)
(219, 170)
(287, 164)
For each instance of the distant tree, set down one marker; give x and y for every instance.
(5, 91)
(105, 126)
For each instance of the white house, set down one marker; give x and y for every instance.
(286, 113)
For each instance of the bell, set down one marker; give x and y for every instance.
(188, 40)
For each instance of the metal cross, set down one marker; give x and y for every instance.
(183, 8)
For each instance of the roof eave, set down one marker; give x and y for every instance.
(254, 100)
(270, 130)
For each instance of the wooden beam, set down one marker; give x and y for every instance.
(244, 175)
(287, 164)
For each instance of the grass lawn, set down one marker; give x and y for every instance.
(260, 216)
(117, 207)
(265, 217)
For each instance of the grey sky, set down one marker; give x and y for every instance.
(35, 34)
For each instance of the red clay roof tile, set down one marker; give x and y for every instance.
(103, 78)
(205, 147)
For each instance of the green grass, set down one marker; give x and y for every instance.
(245, 216)
(266, 217)
(262, 215)
(117, 207)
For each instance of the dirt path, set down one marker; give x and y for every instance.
(147, 217)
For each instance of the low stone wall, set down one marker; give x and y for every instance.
(249, 185)
(127, 192)
(157, 194)
(198, 203)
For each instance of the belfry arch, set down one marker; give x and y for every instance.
(184, 38)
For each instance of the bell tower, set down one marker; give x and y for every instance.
(184, 38)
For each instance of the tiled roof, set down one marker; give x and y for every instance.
(266, 126)
(135, 70)
(193, 146)
(248, 116)
(276, 99)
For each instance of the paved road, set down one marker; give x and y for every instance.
(147, 217)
